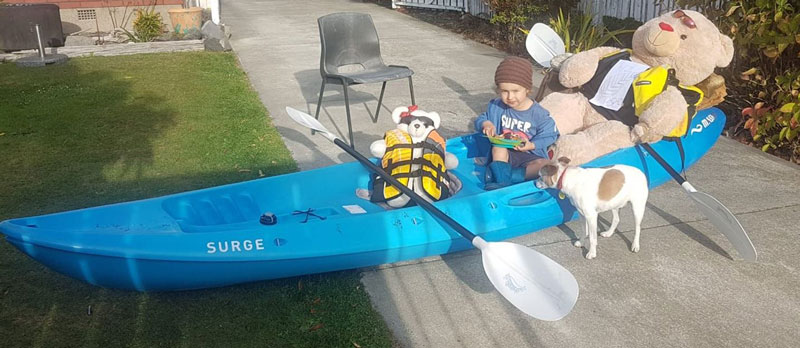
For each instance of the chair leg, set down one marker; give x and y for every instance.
(347, 108)
(319, 102)
(380, 100)
(411, 88)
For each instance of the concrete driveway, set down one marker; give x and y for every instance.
(687, 287)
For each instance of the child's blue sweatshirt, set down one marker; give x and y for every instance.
(535, 123)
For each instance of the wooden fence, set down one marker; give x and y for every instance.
(474, 7)
(641, 10)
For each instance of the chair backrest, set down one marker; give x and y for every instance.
(348, 38)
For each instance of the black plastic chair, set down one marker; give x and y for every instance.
(349, 38)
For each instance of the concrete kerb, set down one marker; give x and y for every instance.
(112, 49)
(686, 287)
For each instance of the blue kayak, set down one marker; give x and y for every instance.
(213, 237)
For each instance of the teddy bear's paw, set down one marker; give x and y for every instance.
(559, 59)
(641, 134)
(378, 148)
(450, 161)
(638, 132)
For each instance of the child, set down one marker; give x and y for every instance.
(514, 112)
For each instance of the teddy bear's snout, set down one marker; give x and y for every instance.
(662, 40)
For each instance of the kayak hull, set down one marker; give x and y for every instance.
(212, 237)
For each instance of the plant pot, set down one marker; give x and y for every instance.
(185, 19)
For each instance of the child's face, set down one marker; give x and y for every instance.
(512, 94)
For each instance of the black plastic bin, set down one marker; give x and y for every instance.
(17, 31)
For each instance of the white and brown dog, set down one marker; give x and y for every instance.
(596, 190)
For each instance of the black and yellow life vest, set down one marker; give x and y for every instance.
(644, 88)
(398, 161)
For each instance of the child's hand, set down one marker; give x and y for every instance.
(488, 128)
(525, 146)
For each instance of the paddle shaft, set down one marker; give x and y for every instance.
(403, 188)
(663, 163)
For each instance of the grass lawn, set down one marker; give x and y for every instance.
(108, 129)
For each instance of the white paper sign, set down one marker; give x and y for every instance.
(615, 85)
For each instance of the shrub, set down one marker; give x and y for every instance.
(513, 15)
(766, 70)
(517, 16)
(582, 35)
(626, 38)
(147, 26)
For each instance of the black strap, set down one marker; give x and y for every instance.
(308, 213)
(679, 143)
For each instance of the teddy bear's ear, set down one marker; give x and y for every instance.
(433, 115)
(396, 113)
(726, 55)
(563, 160)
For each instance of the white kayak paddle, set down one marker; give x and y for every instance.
(543, 44)
(532, 282)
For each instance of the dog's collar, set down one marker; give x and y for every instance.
(561, 179)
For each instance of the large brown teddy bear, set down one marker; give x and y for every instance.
(682, 40)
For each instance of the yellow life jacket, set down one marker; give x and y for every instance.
(398, 162)
(644, 88)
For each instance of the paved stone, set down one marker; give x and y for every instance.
(687, 287)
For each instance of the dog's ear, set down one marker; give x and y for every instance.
(563, 160)
(548, 174)
(548, 170)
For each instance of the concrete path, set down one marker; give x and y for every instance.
(687, 287)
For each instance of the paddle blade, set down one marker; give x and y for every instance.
(726, 223)
(308, 121)
(543, 44)
(532, 282)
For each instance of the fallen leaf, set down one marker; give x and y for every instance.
(313, 311)
(315, 327)
(260, 173)
(2, 134)
(244, 170)
(317, 301)
(356, 345)
(750, 71)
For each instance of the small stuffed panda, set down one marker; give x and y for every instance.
(415, 154)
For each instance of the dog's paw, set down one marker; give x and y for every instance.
(577, 243)
(635, 248)
(606, 234)
(590, 255)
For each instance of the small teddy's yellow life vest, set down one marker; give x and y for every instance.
(398, 161)
(646, 86)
